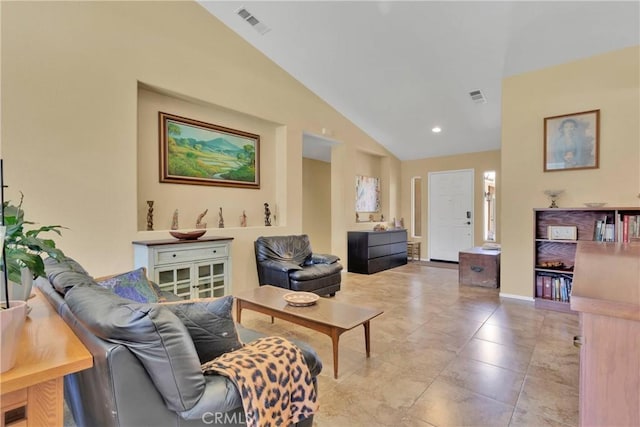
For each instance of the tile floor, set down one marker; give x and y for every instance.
(443, 355)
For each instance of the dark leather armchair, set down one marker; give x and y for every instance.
(119, 390)
(288, 262)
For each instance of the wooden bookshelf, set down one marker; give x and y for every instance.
(556, 258)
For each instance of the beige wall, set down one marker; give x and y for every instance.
(316, 203)
(608, 82)
(479, 162)
(70, 77)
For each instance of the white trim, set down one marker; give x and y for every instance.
(514, 296)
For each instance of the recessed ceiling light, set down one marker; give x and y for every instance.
(436, 130)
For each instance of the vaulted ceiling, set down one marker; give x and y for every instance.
(398, 69)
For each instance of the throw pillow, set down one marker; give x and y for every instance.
(152, 333)
(65, 273)
(210, 326)
(158, 291)
(132, 285)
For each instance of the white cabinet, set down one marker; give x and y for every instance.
(188, 268)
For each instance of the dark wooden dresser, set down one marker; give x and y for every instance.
(373, 251)
(479, 267)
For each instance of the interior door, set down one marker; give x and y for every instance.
(450, 213)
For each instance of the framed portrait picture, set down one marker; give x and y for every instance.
(367, 194)
(571, 141)
(195, 152)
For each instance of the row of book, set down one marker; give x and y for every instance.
(556, 287)
(603, 232)
(629, 229)
(625, 230)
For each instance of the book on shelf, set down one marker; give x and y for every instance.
(554, 287)
(546, 289)
(603, 230)
(539, 285)
(597, 231)
(629, 229)
(609, 233)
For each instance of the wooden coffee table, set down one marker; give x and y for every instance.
(327, 316)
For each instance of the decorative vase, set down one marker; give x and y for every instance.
(11, 321)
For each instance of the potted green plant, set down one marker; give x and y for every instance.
(21, 263)
(24, 248)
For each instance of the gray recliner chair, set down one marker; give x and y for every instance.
(289, 262)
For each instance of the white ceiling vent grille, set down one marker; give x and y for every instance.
(478, 97)
(253, 21)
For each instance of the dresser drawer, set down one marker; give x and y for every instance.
(390, 249)
(387, 237)
(168, 256)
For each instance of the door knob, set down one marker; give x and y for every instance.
(577, 341)
(468, 222)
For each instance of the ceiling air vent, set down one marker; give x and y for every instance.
(478, 97)
(253, 21)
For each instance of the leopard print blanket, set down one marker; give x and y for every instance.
(273, 379)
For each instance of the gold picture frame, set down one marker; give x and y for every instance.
(195, 152)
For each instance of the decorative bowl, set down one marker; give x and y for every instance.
(300, 299)
(594, 204)
(187, 235)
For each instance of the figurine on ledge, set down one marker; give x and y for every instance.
(267, 215)
(199, 223)
(174, 220)
(150, 215)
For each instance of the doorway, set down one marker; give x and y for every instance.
(450, 214)
(316, 191)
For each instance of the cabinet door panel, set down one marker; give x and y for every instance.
(175, 279)
(212, 276)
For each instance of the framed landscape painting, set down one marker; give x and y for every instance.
(367, 194)
(195, 152)
(571, 141)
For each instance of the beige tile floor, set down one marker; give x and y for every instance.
(443, 355)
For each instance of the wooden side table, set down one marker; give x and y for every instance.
(413, 251)
(32, 391)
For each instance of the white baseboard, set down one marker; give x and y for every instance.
(514, 296)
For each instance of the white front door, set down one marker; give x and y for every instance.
(450, 213)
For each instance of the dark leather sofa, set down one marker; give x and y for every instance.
(289, 262)
(119, 390)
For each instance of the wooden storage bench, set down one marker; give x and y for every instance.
(479, 267)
